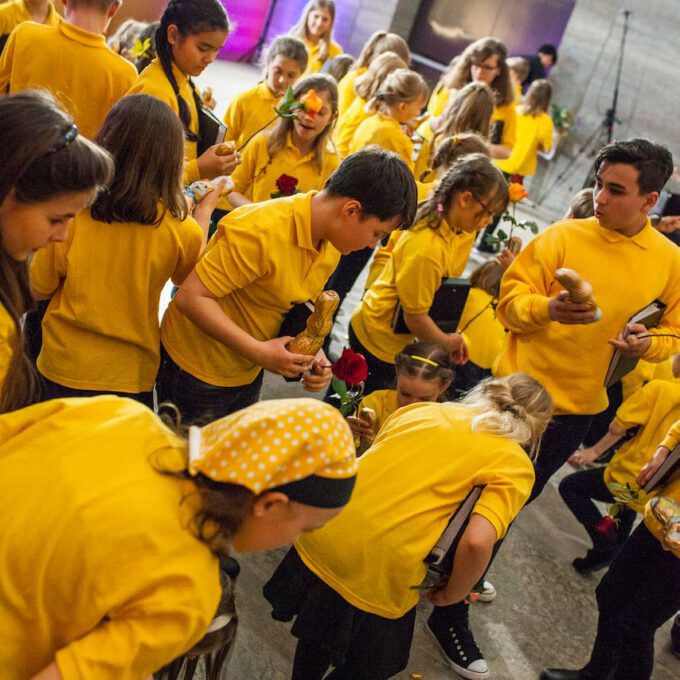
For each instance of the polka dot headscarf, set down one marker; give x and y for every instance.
(301, 447)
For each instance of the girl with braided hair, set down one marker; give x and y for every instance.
(463, 201)
(190, 35)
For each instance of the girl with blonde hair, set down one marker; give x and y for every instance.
(400, 99)
(296, 155)
(425, 461)
(315, 29)
(379, 43)
(365, 86)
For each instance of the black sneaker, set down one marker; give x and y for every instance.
(459, 647)
(675, 637)
(594, 560)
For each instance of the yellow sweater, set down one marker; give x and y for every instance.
(482, 327)
(74, 64)
(424, 462)
(571, 360)
(98, 566)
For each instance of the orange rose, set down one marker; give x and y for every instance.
(311, 102)
(517, 192)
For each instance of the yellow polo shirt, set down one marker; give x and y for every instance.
(15, 12)
(506, 114)
(346, 93)
(256, 176)
(571, 360)
(386, 132)
(412, 275)
(250, 111)
(75, 65)
(655, 407)
(101, 329)
(260, 262)
(482, 327)
(645, 372)
(99, 567)
(315, 63)
(422, 465)
(438, 100)
(383, 402)
(347, 125)
(153, 81)
(671, 489)
(8, 334)
(531, 133)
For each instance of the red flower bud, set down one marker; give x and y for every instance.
(350, 367)
(607, 527)
(286, 185)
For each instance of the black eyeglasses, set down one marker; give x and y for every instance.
(493, 213)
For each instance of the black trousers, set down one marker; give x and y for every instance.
(579, 491)
(200, 402)
(638, 594)
(347, 271)
(52, 390)
(381, 375)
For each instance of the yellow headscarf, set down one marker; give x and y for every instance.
(302, 447)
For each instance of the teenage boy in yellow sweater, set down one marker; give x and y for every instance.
(629, 265)
(71, 60)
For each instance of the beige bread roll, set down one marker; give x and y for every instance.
(580, 291)
(319, 325)
(225, 148)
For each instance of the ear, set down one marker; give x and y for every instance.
(351, 209)
(464, 198)
(650, 200)
(113, 8)
(444, 387)
(173, 34)
(268, 501)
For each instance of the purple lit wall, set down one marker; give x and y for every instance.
(250, 15)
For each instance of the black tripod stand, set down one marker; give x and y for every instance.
(254, 53)
(606, 129)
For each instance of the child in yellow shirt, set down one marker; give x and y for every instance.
(251, 111)
(639, 592)
(354, 585)
(365, 87)
(190, 35)
(71, 60)
(15, 12)
(48, 174)
(315, 29)
(297, 151)
(379, 43)
(534, 131)
(463, 201)
(424, 372)
(400, 99)
(222, 327)
(101, 332)
(174, 506)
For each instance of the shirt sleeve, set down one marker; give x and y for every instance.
(48, 267)
(190, 240)
(140, 636)
(672, 439)
(191, 172)
(244, 174)
(231, 119)
(237, 259)
(661, 348)
(6, 61)
(418, 276)
(634, 410)
(510, 126)
(545, 136)
(524, 298)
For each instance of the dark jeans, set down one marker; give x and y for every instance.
(579, 491)
(601, 421)
(52, 390)
(639, 593)
(347, 271)
(200, 402)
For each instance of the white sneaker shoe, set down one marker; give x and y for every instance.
(488, 592)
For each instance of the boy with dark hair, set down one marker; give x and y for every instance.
(222, 328)
(71, 60)
(559, 342)
(540, 64)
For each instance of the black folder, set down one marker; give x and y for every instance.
(667, 468)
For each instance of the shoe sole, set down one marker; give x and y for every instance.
(463, 672)
(489, 597)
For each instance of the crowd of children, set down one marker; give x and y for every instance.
(117, 545)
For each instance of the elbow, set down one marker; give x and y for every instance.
(182, 301)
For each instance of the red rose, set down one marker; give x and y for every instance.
(286, 185)
(350, 367)
(607, 527)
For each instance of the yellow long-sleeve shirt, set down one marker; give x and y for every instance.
(153, 81)
(571, 360)
(75, 65)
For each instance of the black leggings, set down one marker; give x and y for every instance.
(579, 491)
(638, 594)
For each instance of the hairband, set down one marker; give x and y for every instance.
(379, 96)
(440, 208)
(68, 136)
(425, 361)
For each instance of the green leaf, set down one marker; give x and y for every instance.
(339, 386)
(502, 236)
(532, 226)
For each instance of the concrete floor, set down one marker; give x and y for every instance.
(545, 612)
